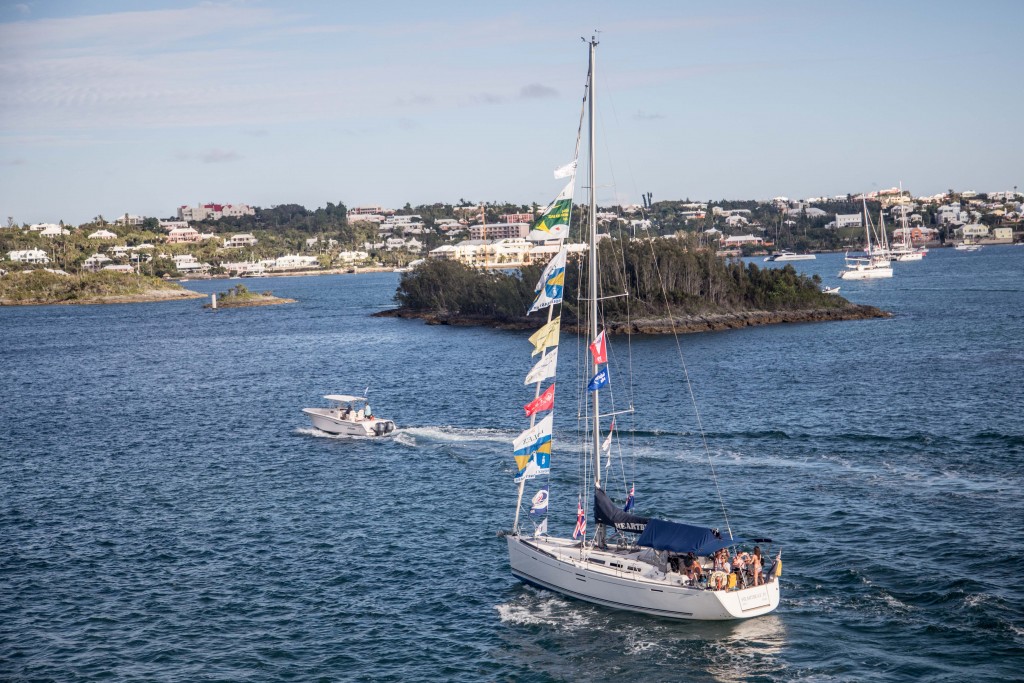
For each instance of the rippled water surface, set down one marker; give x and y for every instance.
(167, 513)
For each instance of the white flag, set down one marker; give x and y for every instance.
(542, 528)
(531, 436)
(567, 170)
(607, 445)
(544, 368)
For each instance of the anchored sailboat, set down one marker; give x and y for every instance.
(875, 263)
(629, 562)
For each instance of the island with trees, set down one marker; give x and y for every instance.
(239, 296)
(679, 287)
(41, 286)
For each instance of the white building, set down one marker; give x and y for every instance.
(498, 231)
(119, 268)
(28, 256)
(291, 262)
(353, 256)
(36, 227)
(103, 235)
(740, 240)
(242, 239)
(951, 213)
(183, 235)
(54, 231)
(736, 221)
(187, 264)
(96, 261)
(129, 220)
(849, 220)
(213, 212)
(171, 225)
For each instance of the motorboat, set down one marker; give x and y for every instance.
(349, 416)
(829, 290)
(790, 256)
(968, 246)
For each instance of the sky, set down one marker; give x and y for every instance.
(118, 107)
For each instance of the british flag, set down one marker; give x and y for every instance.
(581, 520)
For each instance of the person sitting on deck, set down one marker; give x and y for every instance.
(694, 572)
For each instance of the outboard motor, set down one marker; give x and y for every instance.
(380, 428)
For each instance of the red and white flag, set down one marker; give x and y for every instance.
(581, 520)
(599, 350)
(545, 401)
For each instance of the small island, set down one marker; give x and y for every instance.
(40, 286)
(678, 288)
(239, 296)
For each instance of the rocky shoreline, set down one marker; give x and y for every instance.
(248, 301)
(688, 324)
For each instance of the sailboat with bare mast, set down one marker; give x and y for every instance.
(629, 562)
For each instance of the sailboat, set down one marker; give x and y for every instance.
(630, 562)
(903, 248)
(875, 263)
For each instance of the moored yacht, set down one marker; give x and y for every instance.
(790, 256)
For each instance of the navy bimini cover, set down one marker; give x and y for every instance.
(605, 512)
(684, 538)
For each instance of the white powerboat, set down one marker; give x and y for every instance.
(829, 290)
(349, 416)
(790, 256)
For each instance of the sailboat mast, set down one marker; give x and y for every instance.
(867, 224)
(593, 266)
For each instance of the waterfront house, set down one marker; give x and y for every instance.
(740, 240)
(187, 264)
(119, 268)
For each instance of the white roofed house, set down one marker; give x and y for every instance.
(740, 240)
(129, 220)
(187, 264)
(183, 235)
(736, 221)
(243, 239)
(102, 235)
(95, 262)
(352, 256)
(54, 231)
(28, 256)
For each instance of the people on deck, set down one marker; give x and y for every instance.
(367, 412)
(755, 566)
(694, 572)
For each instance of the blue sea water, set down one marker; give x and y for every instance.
(167, 513)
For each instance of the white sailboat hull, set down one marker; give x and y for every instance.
(866, 272)
(912, 256)
(557, 565)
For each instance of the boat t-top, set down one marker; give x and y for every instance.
(349, 416)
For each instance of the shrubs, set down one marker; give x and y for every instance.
(691, 281)
(46, 287)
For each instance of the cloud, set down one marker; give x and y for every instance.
(646, 116)
(16, 162)
(23, 9)
(219, 156)
(536, 91)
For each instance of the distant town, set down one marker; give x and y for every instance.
(212, 239)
